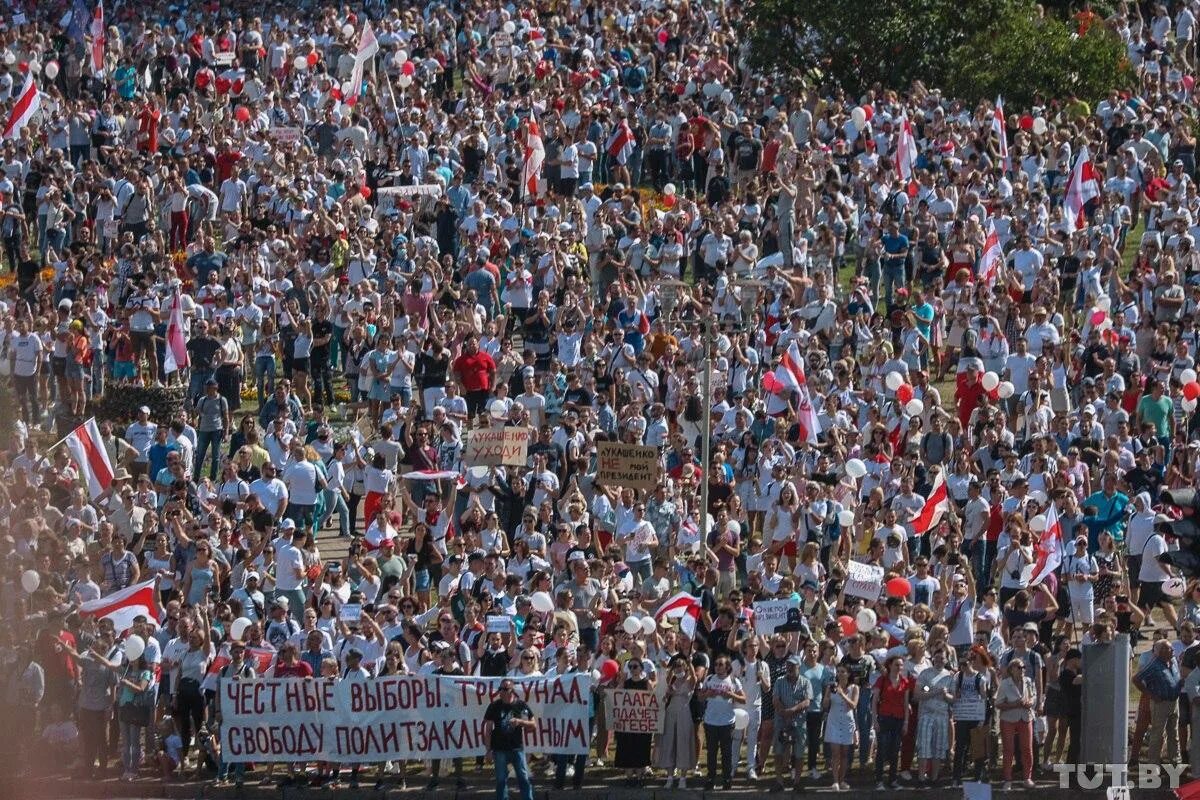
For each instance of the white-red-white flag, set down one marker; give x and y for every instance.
(1083, 187)
(937, 504)
(29, 100)
(1000, 129)
(87, 449)
(906, 150)
(621, 143)
(177, 354)
(430, 475)
(1047, 553)
(122, 606)
(368, 46)
(683, 607)
(993, 256)
(535, 156)
(99, 39)
(790, 374)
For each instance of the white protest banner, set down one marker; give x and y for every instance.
(635, 711)
(397, 717)
(770, 614)
(389, 195)
(350, 612)
(496, 447)
(285, 134)
(864, 580)
(498, 623)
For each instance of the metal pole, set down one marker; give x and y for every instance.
(706, 441)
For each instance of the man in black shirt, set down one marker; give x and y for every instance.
(860, 665)
(322, 332)
(505, 722)
(202, 351)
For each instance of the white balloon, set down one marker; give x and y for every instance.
(35, 67)
(894, 380)
(1039, 125)
(510, 27)
(30, 581)
(1104, 303)
(1038, 523)
(405, 81)
(1174, 587)
(914, 407)
(846, 518)
(669, 189)
(859, 117)
(301, 63)
(649, 626)
(348, 89)
(347, 29)
(541, 602)
(990, 381)
(401, 57)
(1005, 390)
(856, 468)
(238, 629)
(632, 626)
(865, 619)
(1187, 376)
(134, 647)
(1188, 405)
(741, 719)
(9, 58)
(51, 70)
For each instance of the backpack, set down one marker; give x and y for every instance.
(890, 206)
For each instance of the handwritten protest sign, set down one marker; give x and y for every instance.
(864, 580)
(394, 717)
(498, 623)
(350, 612)
(636, 711)
(770, 614)
(285, 134)
(633, 466)
(495, 447)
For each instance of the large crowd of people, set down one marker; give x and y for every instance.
(941, 338)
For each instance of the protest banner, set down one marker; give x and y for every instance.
(285, 134)
(350, 612)
(770, 614)
(864, 580)
(635, 711)
(499, 623)
(395, 717)
(497, 447)
(632, 466)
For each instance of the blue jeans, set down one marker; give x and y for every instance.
(983, 553)
(516, 758)
(893, 278)
(196, 384)
(335, 502)
(131, 746)
(205, 439)
(891, 733)
(863, 721)
(264, 376)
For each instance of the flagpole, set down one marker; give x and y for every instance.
(68, 436)
(706, 442)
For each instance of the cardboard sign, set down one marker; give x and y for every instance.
(770, 615)
(636, 711)
(632, 466)
(350, 612)
(497, 447)
(286, 134)
(498, 623)
(864, 580)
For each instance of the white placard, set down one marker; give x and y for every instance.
(864, 580)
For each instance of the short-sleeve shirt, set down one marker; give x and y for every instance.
(506, 735)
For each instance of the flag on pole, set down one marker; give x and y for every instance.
(535, 156)
(906, 150)
(1082, 188)
(76, 21)
(621, 143)
(1047, 552)
(368, 46)
(99, 39)
(29, 100)
(87, 448)
(790, 374)
(993, 256)
(683, 607)
(999, 128)
(121, 607)
(177, 354)
(936, 505)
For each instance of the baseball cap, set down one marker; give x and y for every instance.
(144, 409)
(287, 525)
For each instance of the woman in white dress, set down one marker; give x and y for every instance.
(841, 733)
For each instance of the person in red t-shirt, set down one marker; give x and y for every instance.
(148, 120)
(289, 665)
(476, 371)
(890, 708)
(61, 673)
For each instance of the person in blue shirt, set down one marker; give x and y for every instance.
(923, 311)
(895, 254)
(1110, 507)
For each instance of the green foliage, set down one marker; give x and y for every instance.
(120, 403)
(972, 50)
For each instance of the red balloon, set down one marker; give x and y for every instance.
(407, 68)
(770, 383)
(313, 58)
(23, 66)
(1097, 317)
(848, 626)
(243, 114)
(609, 670)
(899, 587)
(868, 111)
(223, 85)
(202, 78)
(1192, 390)
(904, 393)
(1026, 122)
(365, 192)
(335, 93)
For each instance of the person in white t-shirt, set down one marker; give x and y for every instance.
(289, 570)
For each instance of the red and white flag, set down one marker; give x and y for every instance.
(683, 607)
(1083, 187)
(1000, 129)
(121, 607)
(535, 156)
(790, 374)
(430, 475)
(1047, 553)
(620, 144)
(906, 150)
(937, 504)
(99, 39)
(87, 448)
(368, 46)
(993, 256)
(29, 100)
(177, 354)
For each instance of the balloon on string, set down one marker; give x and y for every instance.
(134, 647)
(541, 602)
(313, 58)
(904, 393)
(1188, 405)
(1098, 316)
(401, 57)
(856, 468)
(632, 626)
(242, 114)
(866, 620)
(203, 77)
(51, 70)
(407, 68)
(609, 670)
(30, 581)
(1191, 390)
(1039, 125)
(365, 192)
(914, 408)
(1187, 376)
(741, 719)
(347, 29)
(899, 587)
(1038, 523)
(9, 58)
(649, 626)
(301, 63)
(894, 380)
(868, 112)
(770, 383)
(990, 381)
(846, 518)
(1006, 390)
(238, 629)
(405, 81)
(669, 189)
(859, 117)
(846, 623)
(509, 27)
